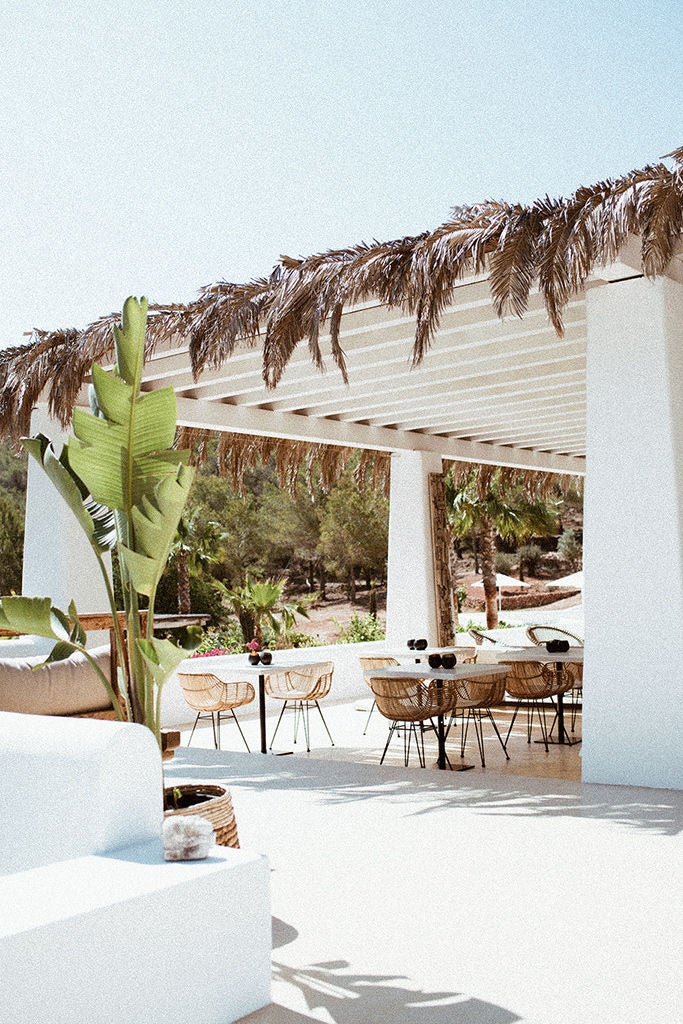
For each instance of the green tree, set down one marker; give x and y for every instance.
(494, 511)
(354, 532)
(11, 546)
(196, 546)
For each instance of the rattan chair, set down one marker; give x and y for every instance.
(474, 700)
(540, 636)
(210, 696)
(367, 664)
(532, 683)
(408, 703)
(480, 638)
(301, 688)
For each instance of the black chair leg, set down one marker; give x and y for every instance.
(367, 721)
(500, 738)
(324, 723)
(517, 707)
(232, 712)
(199, 715)
(392, 729)
(272, 740)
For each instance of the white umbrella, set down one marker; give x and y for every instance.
(503, 581)
(574, 581)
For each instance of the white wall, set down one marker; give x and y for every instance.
(633, 531)
(411, 595)
(58, 560)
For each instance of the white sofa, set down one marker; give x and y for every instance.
(70, 687)
(94, 924)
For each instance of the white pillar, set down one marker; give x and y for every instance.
(633, 529)
(411, 593)
(58, 560)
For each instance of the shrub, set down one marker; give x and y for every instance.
(530, 557)
(504, 562)
(360, 629)
(227, 638)
(294, 638)
(569, 549)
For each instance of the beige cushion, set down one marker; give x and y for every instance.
(69, 687)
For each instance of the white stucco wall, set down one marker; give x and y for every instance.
(633, 535)
(58, 561)
(411, 596)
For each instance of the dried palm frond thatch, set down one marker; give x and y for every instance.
(322, 464)
(536, 485)
(552, 244)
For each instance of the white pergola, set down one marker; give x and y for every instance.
(604, 400)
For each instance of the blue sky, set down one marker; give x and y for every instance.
(154, 147)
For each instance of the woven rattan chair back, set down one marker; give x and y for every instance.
(310, 683)
(482, 692)
(300, 689)
(210, 696)
(369, 663)
(540, 635)
(204, 691)
(474, 699)
(411, 700)
(527, 680)
(480, 638)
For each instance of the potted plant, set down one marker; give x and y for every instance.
(127, 487)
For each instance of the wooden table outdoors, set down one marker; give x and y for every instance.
(460, 672)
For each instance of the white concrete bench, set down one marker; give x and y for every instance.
(94, 924)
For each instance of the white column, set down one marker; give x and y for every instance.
(411, 594)
(633, 529)
(58, 560)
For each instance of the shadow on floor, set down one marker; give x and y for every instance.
(659, 811)
(348, 998)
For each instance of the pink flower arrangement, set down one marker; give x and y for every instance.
(253, 646)
(213, 653)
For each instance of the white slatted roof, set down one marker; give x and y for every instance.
(506, 392)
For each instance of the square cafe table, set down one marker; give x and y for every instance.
(460, 672)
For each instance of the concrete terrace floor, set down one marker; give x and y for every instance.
(414, 896)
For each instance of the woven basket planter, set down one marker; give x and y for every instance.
(213, 802)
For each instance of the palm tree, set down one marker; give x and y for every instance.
(257, 603)
(195, 547)
(487, 503)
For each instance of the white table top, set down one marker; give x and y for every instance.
(405, 652)
(275, 666)
(574, 655)
(425, 672)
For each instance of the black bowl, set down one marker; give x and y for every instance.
(448, 660)
(266, 658)
(434, 660)
(411, 645)
(420, 645)
(254, 659)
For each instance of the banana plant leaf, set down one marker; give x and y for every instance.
(35, 616)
